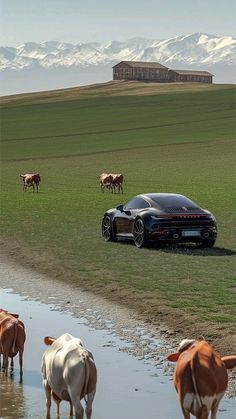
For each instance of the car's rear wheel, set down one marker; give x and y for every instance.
(139, 233)
(208, 243)
(107, 229)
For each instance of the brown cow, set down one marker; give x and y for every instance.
(117, 182)
(12, 338)
(200, 377)
(105, 181)
(31, 180)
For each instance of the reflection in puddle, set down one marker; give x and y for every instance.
(12, 400)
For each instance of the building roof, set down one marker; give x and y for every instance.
(142, 64)
(192, 72)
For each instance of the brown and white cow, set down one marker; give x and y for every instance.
(105, 181)
(117, 182)
(200, 377)
(69, 373)
(12, 338)
(31, 180)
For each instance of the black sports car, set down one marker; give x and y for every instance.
(159, 218)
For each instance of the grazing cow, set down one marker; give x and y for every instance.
(31, 180)
(105, 181)
(12, 338)
(200, 377)
(69, 373)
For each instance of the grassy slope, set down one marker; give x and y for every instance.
(181, 142)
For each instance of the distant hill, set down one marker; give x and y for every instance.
(49, 65)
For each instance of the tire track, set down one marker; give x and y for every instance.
(112, 131)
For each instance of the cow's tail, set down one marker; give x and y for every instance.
(15, 336)
(198, 398)
(87, 374)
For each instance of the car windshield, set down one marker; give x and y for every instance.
(173, 202)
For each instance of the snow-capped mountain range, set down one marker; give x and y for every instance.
(192, 49)
(198, 50)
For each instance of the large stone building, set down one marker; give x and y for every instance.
(137, 70)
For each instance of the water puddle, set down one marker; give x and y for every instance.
(132, 378)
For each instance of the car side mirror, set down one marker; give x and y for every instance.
(120, 208)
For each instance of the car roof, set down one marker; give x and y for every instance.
(155, 195)
(168, 200)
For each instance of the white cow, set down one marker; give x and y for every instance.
(69, 373)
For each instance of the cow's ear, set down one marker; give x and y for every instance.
(48, 340)
(173, 357)
(229, 361)
(14, 315)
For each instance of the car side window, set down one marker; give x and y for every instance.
(137, 203)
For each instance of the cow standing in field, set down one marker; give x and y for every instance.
(69, 373)
(117, 182)
(200, 377)
(31, 180)
(105, 181)
(12, 339)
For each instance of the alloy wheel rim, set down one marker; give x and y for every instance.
(106, 228)
(138, 233)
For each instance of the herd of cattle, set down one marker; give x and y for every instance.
(69, 371)
(111, 181)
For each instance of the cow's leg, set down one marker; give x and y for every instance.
(71, 410)
(204, 413)
(47, 389)
(214, 409)
(89, 403)
(58, 408)
(79, 410)
(21, 361)
(75, 400)
(5, 362)
(186, 413)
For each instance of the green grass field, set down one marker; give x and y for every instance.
(175, 141)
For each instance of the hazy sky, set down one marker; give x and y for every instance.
(103, 20)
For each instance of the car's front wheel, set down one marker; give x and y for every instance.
(139, 233)
(107, 229)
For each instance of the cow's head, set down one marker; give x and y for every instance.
(48, 340)
(183, 346)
